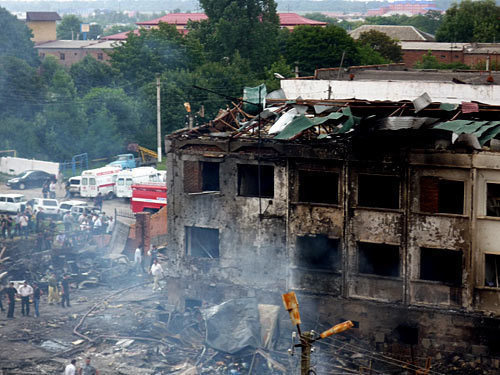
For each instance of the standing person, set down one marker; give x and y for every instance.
(26, 291)
(45, 189)
(97, 225)
(138, 261)
(3, 226)
(37, 293)
(17, 228)
(157, 272)
(53, 292)
(52, 189)
(65, 291)
(111, 225)
(11, 294)
(153, 252)
(71, 368)
(10, 223)
(23, 223)
(98, 201)
(68, 221)
(88, 369)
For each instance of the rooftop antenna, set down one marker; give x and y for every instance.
(306, 339)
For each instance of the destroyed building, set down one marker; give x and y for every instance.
(382, 212)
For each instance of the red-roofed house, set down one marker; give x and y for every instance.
(180, 20)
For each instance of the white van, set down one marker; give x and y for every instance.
(129, 177)
(74, 185)
(12, 203)
(66, 206)
(100, 180)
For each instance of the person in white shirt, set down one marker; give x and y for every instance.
(52, 190)
(138, 261)
(97, 225)
(157, 272)
(25, 291)
(111, 226)
(71, 368)
(23, 222)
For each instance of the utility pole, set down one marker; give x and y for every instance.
(309, 337)
(158, 116)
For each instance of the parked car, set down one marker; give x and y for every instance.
(74, 185)
(12, 203)
(66, 206)
(30, 179)
(76, 211)
(48, 206)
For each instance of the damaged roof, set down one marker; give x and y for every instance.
(303, 119)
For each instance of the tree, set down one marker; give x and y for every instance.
(320, 47)
(317, 16)
(471, 21)
(155, 51)
(247, 26)
(367, 56)
(90, 73)
(95, 31)
(116, 29)
(69, 28)
(15, 39)
(429, 61)
(383, 44)
(281, 67)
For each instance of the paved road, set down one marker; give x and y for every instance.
(108, 206)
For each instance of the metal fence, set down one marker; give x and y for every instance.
(124, 213)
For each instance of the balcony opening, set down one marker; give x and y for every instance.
(378, 259)
(201, 176)
(318, 252)
(493, 200)
(492, 270)
(438, 195)
(441, 265)
(378, 191)
(249, 177)
(202, 242)
(318, 187)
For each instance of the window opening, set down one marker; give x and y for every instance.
(202, 242)
(492, 270)
(201, 176)
(378, 191)
(441, 265)
(378, 259)
(318, 187)
(248, 180)
(318, 252)
(438, 195)
(493, 200)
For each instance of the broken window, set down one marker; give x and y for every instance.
(201, 176)
(438, 195)
(493, 200)
(249, 177)
(318, 187)
(441, 265)
(202, 242)
(318, 252)
(378, 259)
(378, 191)
(492, 270)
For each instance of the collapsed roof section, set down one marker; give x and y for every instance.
(472, 123)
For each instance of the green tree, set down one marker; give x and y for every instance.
(95, 31)
(116, 29)
(383, 44)
(320, 47)
(367, 56)
(471, 21)
(69, 28)
(317, 16)
(281, 67)
(429, 61)
(15, 39)
(90, 73)
(155, 51)
(247, 26)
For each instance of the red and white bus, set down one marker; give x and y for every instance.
(150, 197)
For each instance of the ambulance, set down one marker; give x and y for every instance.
(100, 180)
(129, 177)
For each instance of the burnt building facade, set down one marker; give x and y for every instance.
(376, 220)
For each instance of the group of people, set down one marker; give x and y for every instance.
(155, 268)
(27, 293)
(49, 189)
(87, 369)
(92, 223)
(22, 224)
(31, 294)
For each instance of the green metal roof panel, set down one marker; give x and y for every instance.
(454, 126)
(297, 126)
(448, 106)
(331, 116)
(491, 133)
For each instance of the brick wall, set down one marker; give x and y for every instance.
(410, 57)
(474, 59)
(192, 176)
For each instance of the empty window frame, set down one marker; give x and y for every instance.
(318, 252)
(202, 242)
(493, 199)
(378, 191)
(438, 195)
(249, 176)
(378, 259)
(441, 265)
(318, 187)
(201, 176)
(62, 56)
(492, 270)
